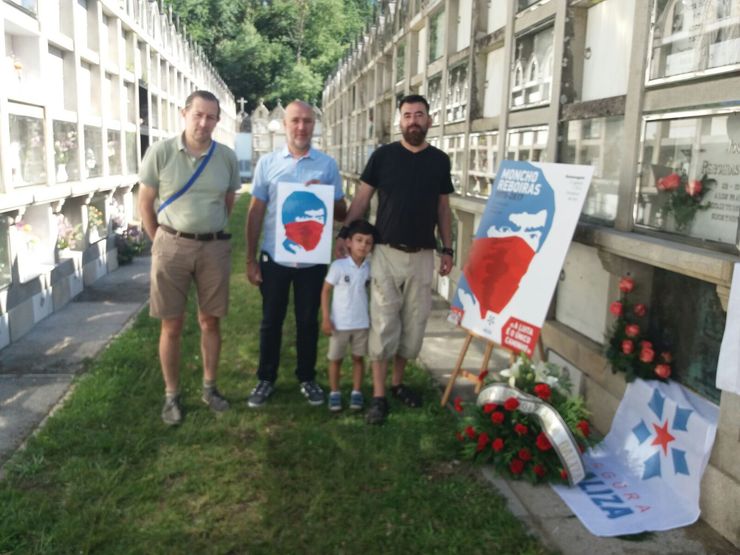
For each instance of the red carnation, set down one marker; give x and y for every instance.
(628, 346)
(563, 474)
(584, 427)
(693, 187)
(632, 330)
(512, 403)
(543, 444)
(470, 431)
(539, 470)
(525, 455)
(521, 429)
(669, 182)
(616, 308)
(543, 391)
(663, 371)
(458, 404)
(482, 375)
(489, 407)
(497, 444)
(640, 310)
(666, 356)
(647, 355)
(626, 284)
(497, 417)
(516, 466)
(482, 442)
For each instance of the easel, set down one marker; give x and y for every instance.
(472, 376)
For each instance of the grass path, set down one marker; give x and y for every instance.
(106, 476)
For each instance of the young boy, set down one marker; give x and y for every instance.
(348, 322)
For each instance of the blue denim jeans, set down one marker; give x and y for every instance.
(275, 289)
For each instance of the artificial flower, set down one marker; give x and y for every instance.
(470, 431)
(482, 441)
(669, 183)
(626, 284)
(497, 417)
(640, 310)
(516, 466)
(521, 429)
(525, 454)
(663, 371)
(632, 330)
(543, 444)
(497, 444)
(616, 308)
(458, 404)
(511, 404)
(693, 187)
(584, 427)
(647, 355)
(489, 407)
(539, 470)
(628, 346)
(543, 391)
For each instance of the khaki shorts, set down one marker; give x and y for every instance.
(400, 301)
(176, 262)
(340, 339)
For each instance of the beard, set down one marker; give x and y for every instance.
(414, 134)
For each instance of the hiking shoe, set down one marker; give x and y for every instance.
(335, 401)
(260, 393)
(378, 411)
(215, 401)
(171, 411)
(406, 395)
(313, 393)
(356, 401)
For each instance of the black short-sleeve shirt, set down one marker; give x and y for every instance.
(408, 185)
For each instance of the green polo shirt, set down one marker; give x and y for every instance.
(167, 166)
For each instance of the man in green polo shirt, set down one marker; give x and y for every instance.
(189, 242)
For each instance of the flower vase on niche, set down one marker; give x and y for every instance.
(65, 253)
(62, 175)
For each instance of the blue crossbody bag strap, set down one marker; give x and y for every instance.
(192, 179)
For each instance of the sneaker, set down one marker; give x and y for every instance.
(171, 411)
(378, 411)
(335, 401)
(356, 401)
(215, 401)
(260, 393)
(313, 393)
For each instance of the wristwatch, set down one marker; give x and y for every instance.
(447, 250)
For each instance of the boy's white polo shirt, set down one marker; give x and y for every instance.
(349, 307)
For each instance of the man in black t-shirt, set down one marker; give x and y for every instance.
(412, 179)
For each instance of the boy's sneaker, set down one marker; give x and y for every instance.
(313, 393)
(335, 401)
(356, 401)
(378, 411)
(260, 393)
(171, 411)
(215, 401)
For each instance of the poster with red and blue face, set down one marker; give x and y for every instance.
(518, 251)
(303, 226)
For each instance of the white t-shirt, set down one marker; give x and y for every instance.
(349, 309)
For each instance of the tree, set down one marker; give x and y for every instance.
(274, 48)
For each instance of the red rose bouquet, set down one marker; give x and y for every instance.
(512, 440)
(628, 348)
(682, 197)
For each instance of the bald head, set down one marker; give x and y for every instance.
(299, 123)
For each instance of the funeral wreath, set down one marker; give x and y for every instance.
(511, 438)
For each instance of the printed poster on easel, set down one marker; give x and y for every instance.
(303, 223)
(518, 251)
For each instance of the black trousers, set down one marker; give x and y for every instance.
(275, 289)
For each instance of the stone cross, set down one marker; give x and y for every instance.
(241, 103)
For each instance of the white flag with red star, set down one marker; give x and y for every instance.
(646, 474)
